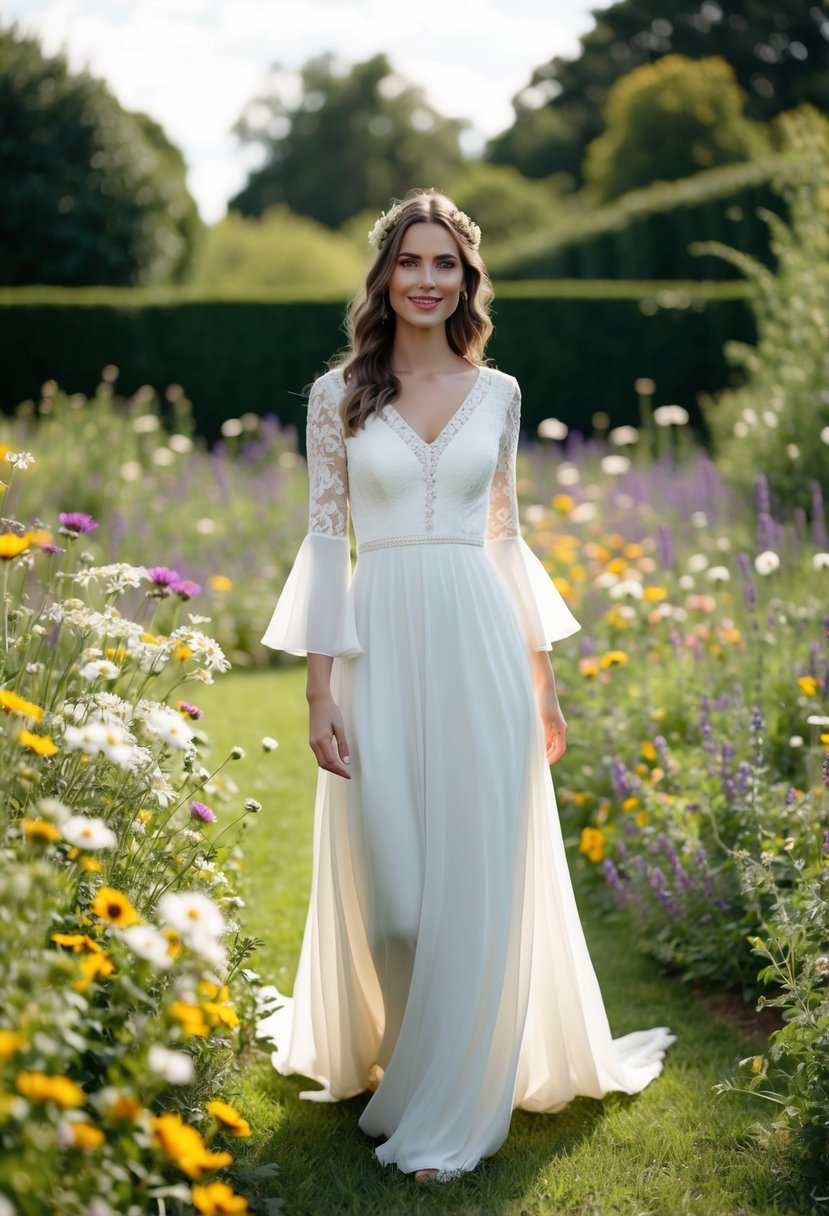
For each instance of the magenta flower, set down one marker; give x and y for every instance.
(198, 810)
(73, 523)
(185, 588)
(51, 549)
(188, 710)
(163, 576)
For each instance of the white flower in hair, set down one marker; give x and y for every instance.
(387, 220)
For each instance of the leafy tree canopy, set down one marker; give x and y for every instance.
(352, 139)
(668, 120)
(779, 50)
(92, 194)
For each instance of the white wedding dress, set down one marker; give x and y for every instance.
(443, 953)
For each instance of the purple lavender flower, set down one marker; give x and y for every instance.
(743, 777)
(729, 789)
(74, 523)
(198, 810)
(185, 588)
(661, 745)
(826, 769)
(826, 841)
(659, 886)
(818, 523)
(51, 549)
(756, 719)
(791, 795)
(614, 880)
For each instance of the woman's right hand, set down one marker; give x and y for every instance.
(327, 735)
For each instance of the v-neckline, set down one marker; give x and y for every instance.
(446, 427)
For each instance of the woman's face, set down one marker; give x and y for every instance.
(428, 276)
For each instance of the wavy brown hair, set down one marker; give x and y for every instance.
(370, 321)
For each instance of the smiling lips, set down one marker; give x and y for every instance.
(426, 303)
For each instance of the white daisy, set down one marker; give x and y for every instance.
(86, 832)
(190, 912)
(148, 943)
(766, 562)
(615, 466)
(174, 1067)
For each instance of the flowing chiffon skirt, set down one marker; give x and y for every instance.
(444, 963)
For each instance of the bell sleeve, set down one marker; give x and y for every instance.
(541, 609)
(315, 610)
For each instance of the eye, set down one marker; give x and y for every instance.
(448, 265)
(407, 262)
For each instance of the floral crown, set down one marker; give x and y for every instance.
(388, 219)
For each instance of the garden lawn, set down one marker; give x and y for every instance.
(675, 1148)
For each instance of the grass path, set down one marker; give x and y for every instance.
(675, 1148)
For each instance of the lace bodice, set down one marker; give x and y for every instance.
(400, 488)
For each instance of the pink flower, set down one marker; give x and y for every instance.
(198, 810)
(73, 523)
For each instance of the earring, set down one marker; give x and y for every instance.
(463, 294)
(384, 316)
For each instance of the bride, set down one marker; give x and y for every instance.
(444, 968)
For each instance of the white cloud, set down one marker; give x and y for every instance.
(193, 64)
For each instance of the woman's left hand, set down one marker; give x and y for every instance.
(555, 727)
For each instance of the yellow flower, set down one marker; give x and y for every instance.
(93, 967)
(40, 536)
(220, 582)
(658, 714)
(190, 1018)
(86, 1135)
(633, 551)
(613, 657)
(809, 685)
(641, 818)
(18, 705)
(10, 1043)
(592, 843)
(655, 593)
(757, 1064)
(90, 864)
(124, 1108)
(589, 667)
(648, 750)
(12, 545)
(617, 565)
(41, 744)
(182, 653)
(39, 1087)
(824, 738)
(76, 942)
(563, 586)
(182, 1144)
(229, 1117)
(657, 774)
(218, 1199)
(221, 1015)
(208, 988)
(39, 829)
(116, 653)
(630, 804)
(563, 502)
(114, 906)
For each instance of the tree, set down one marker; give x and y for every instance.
(505, 204)
(668, 120)
(778, 50)
(353, 140)
(92, 194)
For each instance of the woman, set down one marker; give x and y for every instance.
(444, 963)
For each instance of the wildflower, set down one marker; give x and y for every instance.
(10, 1043)
(655, 594)
(614, 466)
(190, 1018)
(218, 1199)
(148, 943)
(670, 415)
(75, 523)
(620, 436)
(269, 744)
(817, 720)
(93, 967)
(174, 1067)
(628, 586)
(39, 829)
(220, 582)
(613, 658)
(20, 460)
(170, 727)
(89, 833)
(12, 545)
(756, 1064)
(718, 574)
(184, 1145)
(198, 810)
(826, 769)
(99, 669)
(188, 710)
(253, 806)
(822, 966)
(189, 911)
(41, 745)
(40, 1087)
(820, 561)
(51, 549)
(766, 562)
(185, 588)
(237, 753)
(228, 1117)
(589, 667)
(86, 1135)
(162, 577)
(121, 1106)
(592, 843)
(113, 906)
(809, 685)
(76, 942)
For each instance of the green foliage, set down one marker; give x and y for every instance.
(91, 193)
(668, 120)
(504, 203)
(647, 233)
(777, 49)
(260, 352)
(352, 141)
(281, 250)
(778, 419)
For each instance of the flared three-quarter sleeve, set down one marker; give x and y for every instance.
(538, 602)
(315, 612)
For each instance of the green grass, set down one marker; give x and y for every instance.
(675, 1148)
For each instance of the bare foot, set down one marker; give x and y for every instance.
(426, 1175)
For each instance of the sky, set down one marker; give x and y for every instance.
(194, 64)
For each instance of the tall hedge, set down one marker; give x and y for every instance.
(575, 347)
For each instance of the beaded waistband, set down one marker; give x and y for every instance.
(444, 538)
